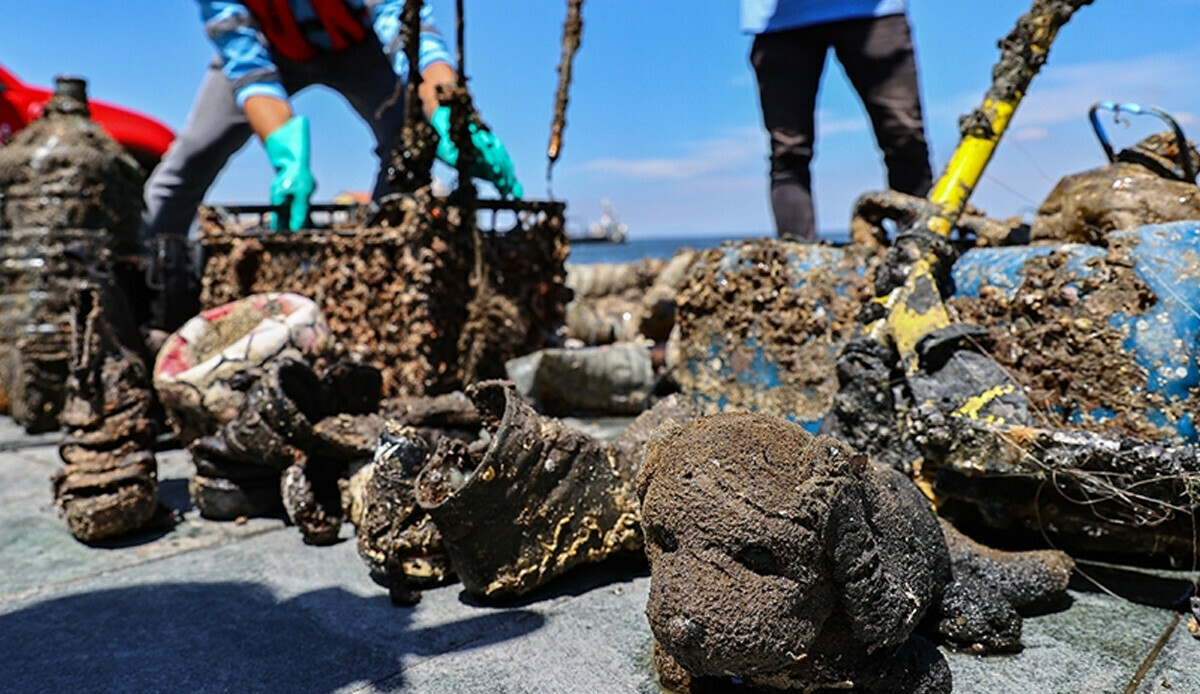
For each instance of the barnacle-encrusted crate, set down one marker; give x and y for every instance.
(433, 302)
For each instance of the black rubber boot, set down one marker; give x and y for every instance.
(349, 394)
(239, 467)
(537, 500)
(172, 282)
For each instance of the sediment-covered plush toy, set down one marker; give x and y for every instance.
(789, 561)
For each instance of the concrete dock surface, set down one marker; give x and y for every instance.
(248, 607)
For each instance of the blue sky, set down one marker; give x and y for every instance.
(664, 118)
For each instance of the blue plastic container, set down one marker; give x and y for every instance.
(1164, 340)
(738, 367)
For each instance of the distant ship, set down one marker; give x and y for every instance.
(608, 230)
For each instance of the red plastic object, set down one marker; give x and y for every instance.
(146, 138)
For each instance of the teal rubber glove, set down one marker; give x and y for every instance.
(493, 163)
(288, 149)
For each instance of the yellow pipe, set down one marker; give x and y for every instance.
(915, 308)
(906, 322)
(966, 166)
(909, 321)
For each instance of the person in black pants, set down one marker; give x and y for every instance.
(873, 42)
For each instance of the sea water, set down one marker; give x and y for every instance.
(659, 247)
(638, 248)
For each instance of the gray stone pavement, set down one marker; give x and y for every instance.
(226, 607)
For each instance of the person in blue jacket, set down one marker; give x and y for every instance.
(873, 42)
(267, 50)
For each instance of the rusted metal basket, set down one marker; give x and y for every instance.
(432, 301)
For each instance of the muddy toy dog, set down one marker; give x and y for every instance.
(789, 561)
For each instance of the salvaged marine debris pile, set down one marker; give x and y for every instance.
(618, 324)
(790, 561)
(1102, 342)
(270, 422)
(569, 495)
(1119, 499)
(399, 293)
(525, 502)
(973, 228)
(347, 374)
(108, 485)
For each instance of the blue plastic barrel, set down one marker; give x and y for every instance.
(1164, 340)
(738, 367)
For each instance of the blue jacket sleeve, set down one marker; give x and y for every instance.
(385, 18)
(246, 60)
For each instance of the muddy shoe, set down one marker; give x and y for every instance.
(349, 394)
(538, 499)
(220, 498)
(239, 467)
(108, 485)
(396, 537)
(274, 426)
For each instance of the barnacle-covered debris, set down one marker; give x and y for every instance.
(40, 270)
(65, 172)
(1138, 188)
(534, 498)
(760, 322)
(108, 484)
(68, 190)
(396, 538)
(397, 293)
(790, 561)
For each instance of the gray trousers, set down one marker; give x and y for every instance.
(216, 129)
(877, 55)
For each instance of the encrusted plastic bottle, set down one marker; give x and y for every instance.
(71, 195)
(65, 172)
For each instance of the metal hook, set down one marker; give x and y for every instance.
(1186, 165)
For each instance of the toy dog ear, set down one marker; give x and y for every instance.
(658, 451)
(879, 609)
